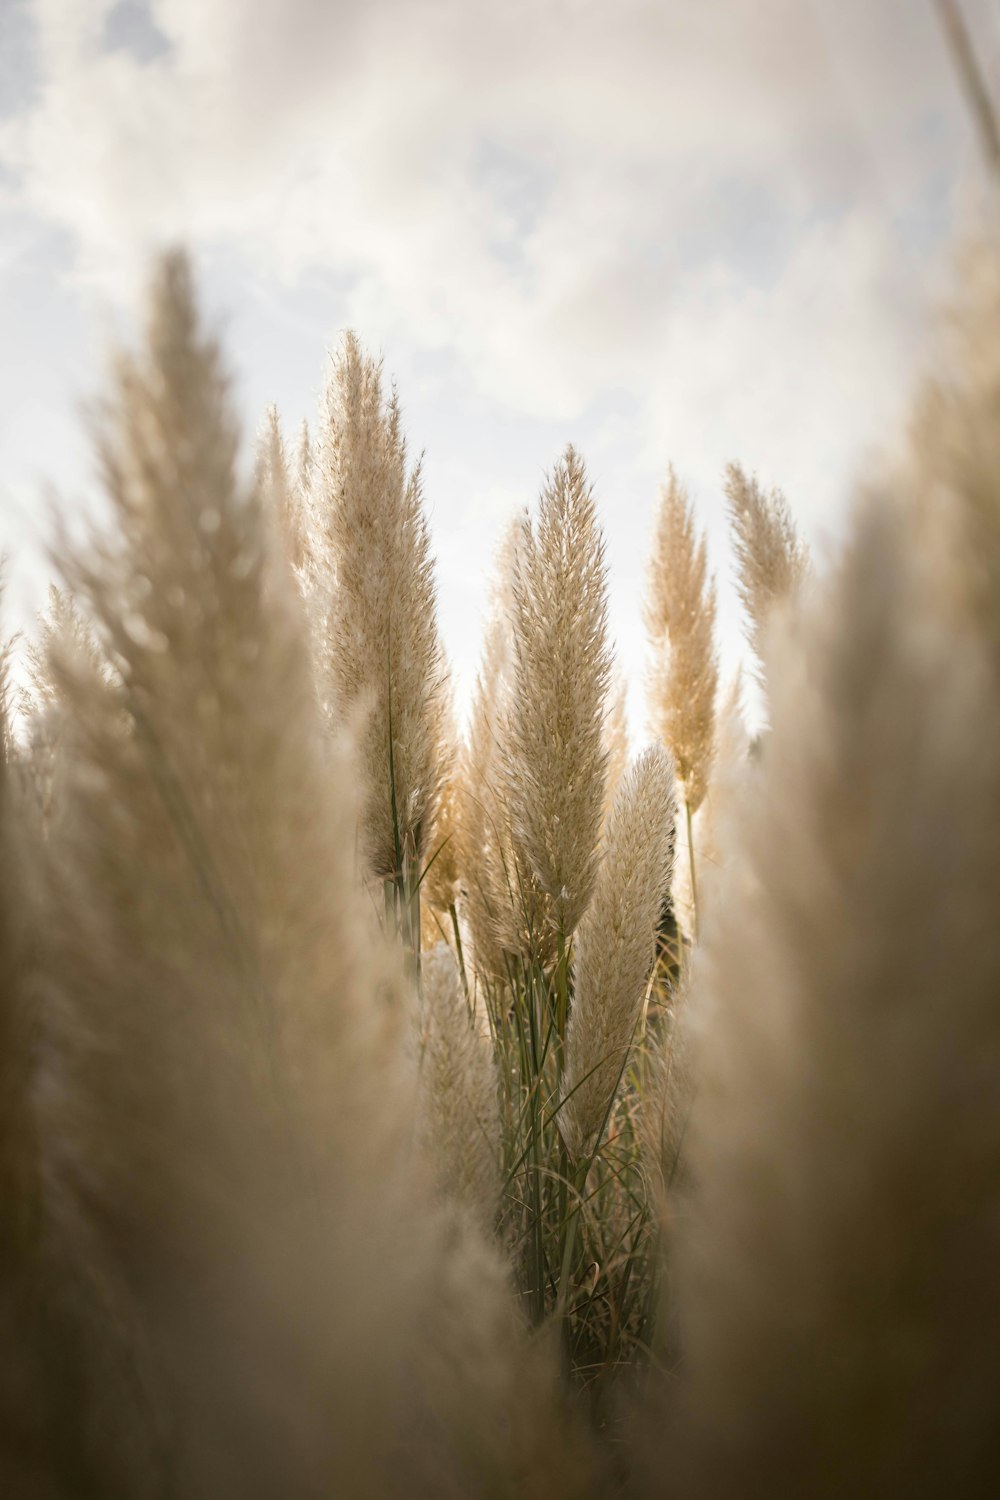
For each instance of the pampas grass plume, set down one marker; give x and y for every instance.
(680, 618)
(840, 1307)
(616, 742)
(384, 653)
(484, 838)
(615, 945)
(458, 1092)
(554, 759)
(772, 562)
(211, 991)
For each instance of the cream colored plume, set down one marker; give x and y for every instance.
(63, 635)
(305, 462)
(772, 562)
(496, 1420)
(615, 945)
(954, 459)
(280, 490)
(486, 855)
(441, 882)
(680, 619)
(30, 1347)
(554, 760)
(217, 1014)
(615, 741)
(731, 773)
(664, 1107)
(384, 654)
(458, 1092)
(62, 631)
(840, 1307)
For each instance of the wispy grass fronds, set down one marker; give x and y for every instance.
(458, 1092)
(616, 742)
(840, 1312)
(279, 489)
(554, 759)
(680, 618)
(487, 859)
(384, 653)
(684, 671)
(63, 635)
(955, 450)
(772, 561)
(665, 1104)
(288, 1204)
(289, 486)
(702, 848)
(216, 1008)
(578, 1231)
(32, 1450)
(615, 946)
(304, 468)
(497, 1421)
(62, 630)
(441, 881)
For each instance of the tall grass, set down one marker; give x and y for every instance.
(390, 1112)
(382, 657)
(684, 673)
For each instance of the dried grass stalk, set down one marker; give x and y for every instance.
(458, 1092)
(615, 945)
(554, 760)
(680, 618)
(384, 653)
(772, 562)
(840, 1306)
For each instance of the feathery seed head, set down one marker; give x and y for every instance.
(280, 490)
(954, 459)
(554, 760)
(210, 984)
(843, 1146)
(486, 856)
(680, 618)
(458, 1092)
(384, 652)
(773, 563)
(616, 943)
(615, 742)
(440, 884)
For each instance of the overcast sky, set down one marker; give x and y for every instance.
(667, 230)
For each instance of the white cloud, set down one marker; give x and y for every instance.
(321, 133)
(667, 230)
